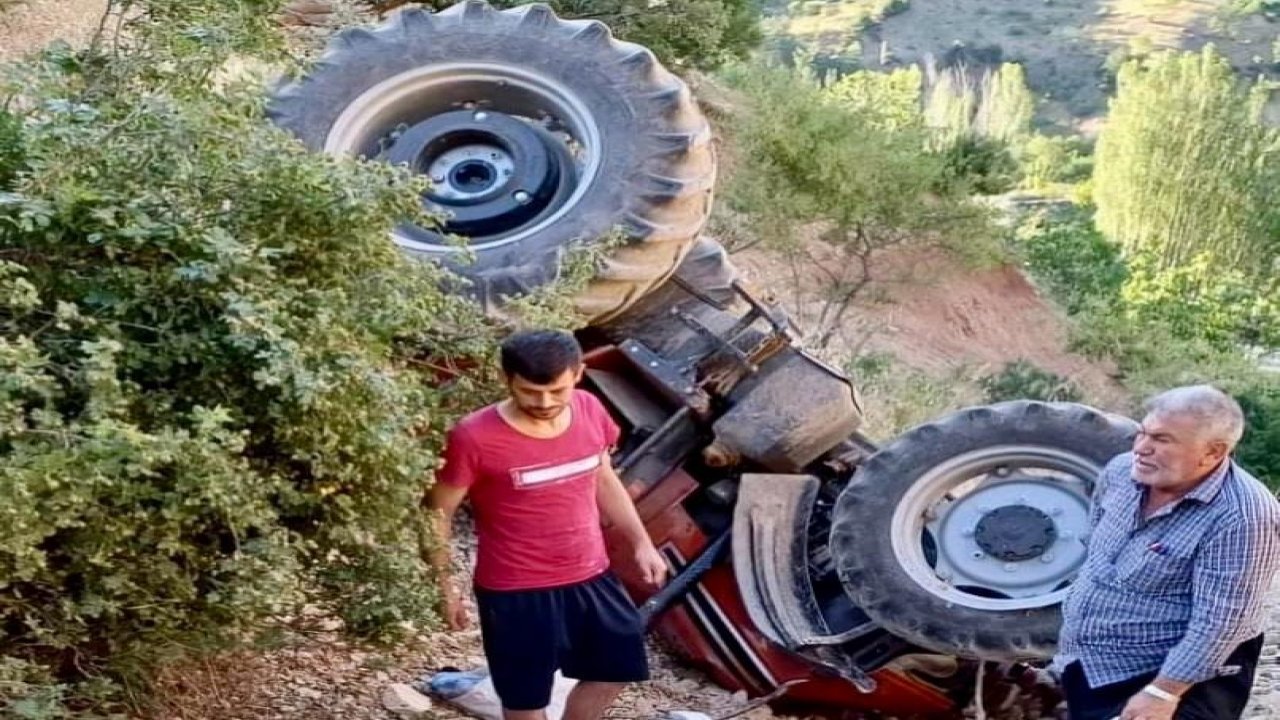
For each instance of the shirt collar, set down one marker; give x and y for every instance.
(1208, 489)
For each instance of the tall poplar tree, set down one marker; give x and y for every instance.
(1186, 168)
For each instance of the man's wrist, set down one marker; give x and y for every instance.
(1160, 693)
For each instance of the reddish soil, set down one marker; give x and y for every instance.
(938, 314)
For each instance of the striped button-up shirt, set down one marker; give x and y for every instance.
(1175, 592)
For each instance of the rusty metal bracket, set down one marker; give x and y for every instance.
(676, 384)
(726, 364)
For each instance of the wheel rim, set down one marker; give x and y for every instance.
(408, 109)
(1002, 528)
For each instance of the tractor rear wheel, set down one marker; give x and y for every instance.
(539, 135)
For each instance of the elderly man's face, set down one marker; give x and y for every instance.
(1170, 452)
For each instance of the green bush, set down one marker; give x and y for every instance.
(1074, 262)
(682, 33)
(217, 396)
(1048, 160)
(1204, 301)
(1259, 450)
(985, 165)
(897, 397)
(1022, 380)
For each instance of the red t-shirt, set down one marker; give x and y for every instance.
(534, 499)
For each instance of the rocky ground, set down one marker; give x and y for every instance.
(319, 675)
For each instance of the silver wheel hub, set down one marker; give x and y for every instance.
(1001, 528)
(1022, 567)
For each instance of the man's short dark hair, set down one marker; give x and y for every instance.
(540, 356)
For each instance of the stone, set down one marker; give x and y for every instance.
(405, 702)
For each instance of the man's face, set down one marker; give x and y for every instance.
(544, 401)
(1169, 453)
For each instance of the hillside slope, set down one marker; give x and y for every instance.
(1069, 48)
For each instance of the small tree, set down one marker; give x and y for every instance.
(810, 162)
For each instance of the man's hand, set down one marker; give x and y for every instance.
(452, 610)
(1148, 707)
(653, 569)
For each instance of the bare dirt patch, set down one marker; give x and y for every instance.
(938, 314)
(30, 25)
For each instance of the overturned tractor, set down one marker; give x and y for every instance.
(807, 561)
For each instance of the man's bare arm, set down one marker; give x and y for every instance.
(441, 503)
(617, 510)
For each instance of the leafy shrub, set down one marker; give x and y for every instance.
(219, 393)
(683, 33)
(897, 397)
(1022, 380)
(1048, 160)
(985, 165)
(1259, 450)
(1205, 301)
(1074, 262)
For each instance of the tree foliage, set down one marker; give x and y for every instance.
(977, 116)
(686, 34)
(1160, 329)
(811, 161)
(989, 102)
(1078, 266)
(1185, 167)
(222, 384)
(890, 101)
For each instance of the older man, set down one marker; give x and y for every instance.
(1165, 619)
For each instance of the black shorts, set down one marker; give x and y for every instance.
(589, 631)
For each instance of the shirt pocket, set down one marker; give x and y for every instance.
(1154, 573)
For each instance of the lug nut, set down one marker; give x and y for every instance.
(522, 197)
(1046, 558)
(1010, 567)
(481, 116)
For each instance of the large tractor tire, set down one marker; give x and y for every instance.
(964, 534)
(540, 135)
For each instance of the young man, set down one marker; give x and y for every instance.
(536, 468)
(1165, 620)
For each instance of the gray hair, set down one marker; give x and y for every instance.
(1217, 413)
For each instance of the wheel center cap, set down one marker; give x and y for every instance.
(1015, 532)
